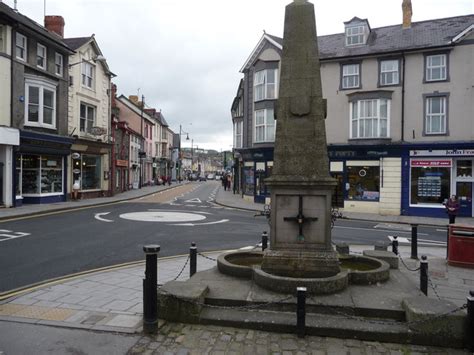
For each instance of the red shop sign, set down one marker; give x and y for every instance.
(441, 163)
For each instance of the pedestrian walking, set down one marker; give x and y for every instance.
(224, 181)
(229, 181)
(452, 208)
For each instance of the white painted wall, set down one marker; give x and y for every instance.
(390, 186)
(5, 78)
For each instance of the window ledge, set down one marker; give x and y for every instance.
(369, 140)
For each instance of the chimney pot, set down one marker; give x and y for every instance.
(407, 14)
(55, 24)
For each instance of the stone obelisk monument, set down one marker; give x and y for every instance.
(301, 187)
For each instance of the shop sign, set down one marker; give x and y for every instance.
(155, 165)
(432, 163)
(443, 152)
(75, 155)
(121, 163)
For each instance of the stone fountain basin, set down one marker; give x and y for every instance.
(355, 269)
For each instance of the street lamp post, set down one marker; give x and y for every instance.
(180, 163)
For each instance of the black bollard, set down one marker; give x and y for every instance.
(301, 311)
(264, 240)
(414, 241)
(150, 292)
(424, 275)
(395, 245)
(192, 259)
(470, 321)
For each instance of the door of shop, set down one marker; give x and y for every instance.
(465, 196)
(338, 195)
(260, 188)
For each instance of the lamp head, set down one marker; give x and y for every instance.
(187, 136)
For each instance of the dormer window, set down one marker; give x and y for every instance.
(357, 31)
(355, 35)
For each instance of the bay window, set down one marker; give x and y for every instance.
(370, 118)
(40, 103)
(264, 126)
(265, 84)
(238, 134)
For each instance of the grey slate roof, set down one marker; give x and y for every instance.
(12, 16)
(421, 35)
(77, 42)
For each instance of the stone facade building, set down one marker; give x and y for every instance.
(399, 115)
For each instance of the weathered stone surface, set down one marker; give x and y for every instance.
(435, 318)
(185, 309)
(300, 182)
(384, 255)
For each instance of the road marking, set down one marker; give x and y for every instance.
(198, 212)
(98, 216)
(194, 200)
(201, 224)
(6, 234)
(161, 216)
(426, 242)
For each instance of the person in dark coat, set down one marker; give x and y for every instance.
(452, 208)
(224, 181)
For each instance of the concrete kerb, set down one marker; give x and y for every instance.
(92, 203)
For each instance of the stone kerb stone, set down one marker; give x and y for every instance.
(433, 318)
(384, 255)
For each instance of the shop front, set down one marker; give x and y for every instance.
(255, 166)
(433, 175)
(41, 168)
(121, 176)
(90, 168)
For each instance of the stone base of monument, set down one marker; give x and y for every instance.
(388, 311)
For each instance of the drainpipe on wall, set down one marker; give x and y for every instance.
(403, 98)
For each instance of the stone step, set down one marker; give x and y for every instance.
(316, 309)
(338, 326)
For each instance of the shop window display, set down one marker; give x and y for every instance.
(429, 183)
(364, 183)
(91, 172)
(39, 175)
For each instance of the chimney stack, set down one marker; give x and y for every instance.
(55, 24)
(407, 13)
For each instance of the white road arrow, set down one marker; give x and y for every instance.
(97, 216)
(194, 200)
(200, 224)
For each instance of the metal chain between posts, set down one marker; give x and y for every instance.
(430, 319)
(206, 257)
(406, 266)
(433, 287)
(376, 321)
(253, 306)
(182, 270)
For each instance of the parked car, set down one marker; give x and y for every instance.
(218, 177)
(193, 177)
(202, 178)
(210, 177)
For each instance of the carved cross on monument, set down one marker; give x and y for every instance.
(300, 219)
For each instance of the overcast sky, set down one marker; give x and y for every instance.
(184, 56)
